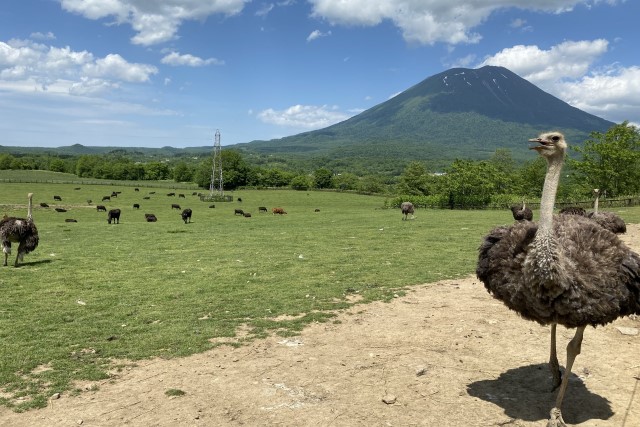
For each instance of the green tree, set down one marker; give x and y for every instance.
(322, 178)
(156, 171)
(414, 180)
(471, 183)
(5, 161)
(300, 182)
(345, 181)
(610, 161)
(182, 172)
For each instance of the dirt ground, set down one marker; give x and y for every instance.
(446, 354)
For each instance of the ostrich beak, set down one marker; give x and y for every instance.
(543, 144)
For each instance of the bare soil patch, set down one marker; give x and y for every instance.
(444, 354)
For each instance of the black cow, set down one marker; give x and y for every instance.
(44, 205)
(239, 212)
(113, 215)
(186, 215)
(175, 206)
(101, 208)
(60, 210)
(262, 209)
(106, 198)
(150, 217)
(58, 198)
(136, 206)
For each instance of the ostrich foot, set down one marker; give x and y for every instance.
(555, 419)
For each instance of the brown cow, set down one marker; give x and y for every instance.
(278, 211)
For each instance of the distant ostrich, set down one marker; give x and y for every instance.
(19, 230)
(606, 220)
(407, 208)
(565, 270)
(521, 212)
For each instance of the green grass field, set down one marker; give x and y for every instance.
(94, 293)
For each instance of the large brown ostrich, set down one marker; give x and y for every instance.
(19, 230)
(564, 270)
(521, 212)
(608, 220)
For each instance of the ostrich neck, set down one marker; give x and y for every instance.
(595, 203)
(29, 210)
(548, 200)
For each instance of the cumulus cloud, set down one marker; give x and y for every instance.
(24, 63)
(303, 116)
(42, 36)
(155, 21)
(566, 71)
(176, 59)
(430, 21)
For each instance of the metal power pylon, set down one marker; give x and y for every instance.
(215, 188)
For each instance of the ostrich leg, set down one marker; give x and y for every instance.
(573, 349)
(554, 366)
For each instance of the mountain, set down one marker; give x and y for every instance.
(459, 113)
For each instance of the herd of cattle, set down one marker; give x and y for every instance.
(113, 215)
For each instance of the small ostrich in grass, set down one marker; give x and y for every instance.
(607, 220)
(521, 212)
(407, 208)
(564, 270)
(19, 230)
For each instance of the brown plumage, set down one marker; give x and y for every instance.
(608, 220)
(19, 230)
(573, 210)
(521, 212)
(407, 208)
(565, 270)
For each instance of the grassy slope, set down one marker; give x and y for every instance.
(94, 292)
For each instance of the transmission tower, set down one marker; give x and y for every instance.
(216, 171)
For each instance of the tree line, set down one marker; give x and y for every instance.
(609, 161)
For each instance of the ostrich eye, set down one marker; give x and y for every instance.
(555, 138)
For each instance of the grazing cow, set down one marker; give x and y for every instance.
(181, 195)
(238, 212)
(186, 215)
(136, 189)
(44, 205)
(136, 206)
(247, 215)
(146, 198)
(317, 210)
(240, 199)
(212, 206)
(150, 217)
(195, 193)
(101, 208)
(262, 209)
(175, 206)
(89, 201)
(114, 194)
(171, 194)
(77, 188)
(70, 220)
(106, 198)
(58, 198)
(60, 210)
(113, 215)
(152, 192)
(278, 211)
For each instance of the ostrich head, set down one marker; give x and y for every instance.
(550, 145)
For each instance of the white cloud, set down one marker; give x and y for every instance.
(154, 21)
(430, 21)
(42, 36)
(175, 59)
(316, 34)
(24, 63)
(303, 116)
(565, 70)
(569, 59)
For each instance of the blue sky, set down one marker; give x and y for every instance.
(170, 72)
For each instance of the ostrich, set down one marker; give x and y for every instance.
(19, 230)
(565, 270)
(607, 220)
(406, 208)
(521, 213)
